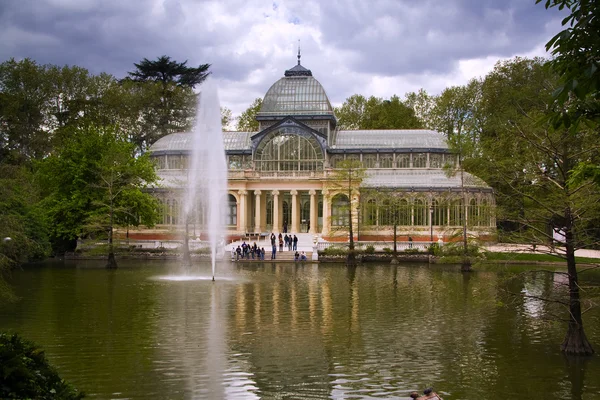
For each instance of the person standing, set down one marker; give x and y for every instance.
(273, 251)
(295, 240)
(273, 238)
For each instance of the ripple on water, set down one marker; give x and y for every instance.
(185, 278)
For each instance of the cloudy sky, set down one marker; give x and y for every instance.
(371, 47)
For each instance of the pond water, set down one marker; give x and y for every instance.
(298, 331)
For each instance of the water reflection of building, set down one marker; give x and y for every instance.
(279, 174)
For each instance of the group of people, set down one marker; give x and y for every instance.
(427, 394)
(247, 251)
(290, 242)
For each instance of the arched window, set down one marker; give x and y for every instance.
(419, 160)
(473, 213)
(450, 160)
(369, 160)
(269, 216)
(334, 160)
(403, 160)
(235, 162)
(386, 161)
(436, 160)
(386, 213)
(339, 210)
(231, 210)
(289, 149)
(404, 212)
(484, 213)
(370, 213)
(456, 212)
(421, 213)
(440, 213)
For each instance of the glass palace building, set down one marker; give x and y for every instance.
(282, 175)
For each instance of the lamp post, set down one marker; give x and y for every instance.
(431, 223)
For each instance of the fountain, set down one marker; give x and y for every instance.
(205, 197)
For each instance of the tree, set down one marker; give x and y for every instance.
(576, 51)
(422, 104)
(93, 181)
(27, 374)
(530, 164)
(167, 71)
(247, 120)
(455, 113)
(226, 118)
(23, 232)
(24, 125)
(169, 103)
(357, 112)
(347, 177)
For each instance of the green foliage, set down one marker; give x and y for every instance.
(93, 181)
(576, 51)
(357, 112)
(411, 251)
(226, 118)
(535, 257)
(370, 250)
(388, 250)
(167, 71)
(26, 374)
(335, 251)
(24, 110)
(457, 249)
(247, 120)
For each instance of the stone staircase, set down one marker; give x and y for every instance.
(305, 244)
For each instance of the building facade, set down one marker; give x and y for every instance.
(287, 175)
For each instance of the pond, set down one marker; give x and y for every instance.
(298, 331)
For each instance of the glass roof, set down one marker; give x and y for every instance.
(419, 178)
(182, 141)
(296, 95)
(392, 138)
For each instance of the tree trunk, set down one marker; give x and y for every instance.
(465, 266)
(111, 262)
(395, 256)
(575, 343)
(351, 259)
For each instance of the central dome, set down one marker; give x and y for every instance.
(297, 93)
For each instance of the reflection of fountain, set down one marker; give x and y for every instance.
(207, 178)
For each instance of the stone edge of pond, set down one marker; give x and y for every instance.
(371, 258)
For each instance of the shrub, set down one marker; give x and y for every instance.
(387, 250)
(412, 251)
(370, 249)
(26, 374)
(334, 251)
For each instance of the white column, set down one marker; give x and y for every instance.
(276, 223)
(242, 211)
(257, 215)
(314, 219)
(295, 222)
(326, 216)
